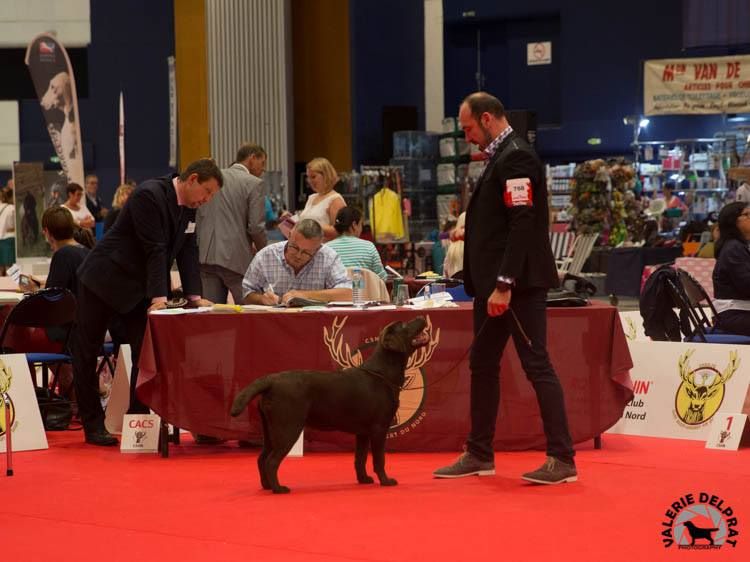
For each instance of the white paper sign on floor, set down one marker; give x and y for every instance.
(680, 388)
(298, 448)
(25, 419)
(726, 432)
(119, 398)
(140, 433)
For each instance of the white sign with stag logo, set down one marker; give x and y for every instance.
(27, 431)
(681, 388)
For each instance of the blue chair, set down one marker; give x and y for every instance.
(698, 328)
(39, 326)
(108, 358)
(459, 294)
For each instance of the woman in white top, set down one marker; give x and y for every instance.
(7, 230)
(324, 204)
(81, 215)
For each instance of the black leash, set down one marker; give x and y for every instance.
(396, 388)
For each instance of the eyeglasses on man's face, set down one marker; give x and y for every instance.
(297, 250)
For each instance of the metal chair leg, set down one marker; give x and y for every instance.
(8, 437)
(164, 439)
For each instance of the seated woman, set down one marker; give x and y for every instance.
(352, 250)
(323, 205)
(732, 270)
(81, 215)
(67, 253)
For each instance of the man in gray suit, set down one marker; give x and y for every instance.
(231, 228)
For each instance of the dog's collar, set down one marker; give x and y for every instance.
(396, 388)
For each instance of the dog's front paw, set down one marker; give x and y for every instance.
(281, 490)
(365, 479)
(388, 482)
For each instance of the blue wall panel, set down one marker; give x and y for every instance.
(387, 63)
(130, 43)
(599, 55)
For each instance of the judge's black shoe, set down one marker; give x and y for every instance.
(101, 437)
(553, 471)
(201, 439)
(466, 465)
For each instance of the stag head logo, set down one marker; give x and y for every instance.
(139, 435)
(723, 436)
(412, 394)
(630, 331)
(6, 379)
(702, 391)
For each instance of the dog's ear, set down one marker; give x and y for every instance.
(392, 338)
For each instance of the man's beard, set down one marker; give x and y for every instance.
(488, 138)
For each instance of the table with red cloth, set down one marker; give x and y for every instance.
(193, 365)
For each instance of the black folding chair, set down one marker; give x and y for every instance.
(39, 326)
(690, 297)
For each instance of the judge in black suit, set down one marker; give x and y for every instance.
(128, 273)
(508, 268)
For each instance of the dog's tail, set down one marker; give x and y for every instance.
(256, 387)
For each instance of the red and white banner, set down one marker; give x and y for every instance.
(55, 87)
(697, 86)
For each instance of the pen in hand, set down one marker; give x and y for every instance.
(272, 294)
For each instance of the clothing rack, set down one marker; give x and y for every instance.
(373, 180)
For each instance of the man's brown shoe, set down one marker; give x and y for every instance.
(553, 471)
(466, 465)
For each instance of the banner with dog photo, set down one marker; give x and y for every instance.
(30, 204)
(55, 86)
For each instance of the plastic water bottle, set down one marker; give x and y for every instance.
(427, 293)
(358, 287)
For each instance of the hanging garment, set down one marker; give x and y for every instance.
(385, 214)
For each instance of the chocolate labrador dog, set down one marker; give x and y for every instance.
(360, 400)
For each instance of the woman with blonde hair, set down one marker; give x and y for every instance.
(118, 202)
(323, 205)
(454, 257)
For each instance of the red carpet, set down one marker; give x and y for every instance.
(78, 502)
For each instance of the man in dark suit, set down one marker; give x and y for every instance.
(128, 273)
(508, 268)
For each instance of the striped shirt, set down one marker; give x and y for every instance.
(269, 268)
(355, 252)
(492, 147)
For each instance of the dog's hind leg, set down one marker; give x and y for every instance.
(377, 443)
(283, 436)
(265, 452)
(360, 459)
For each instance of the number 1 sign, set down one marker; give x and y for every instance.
(726, 432)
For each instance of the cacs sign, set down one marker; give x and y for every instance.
(140, 433)
(141, 424)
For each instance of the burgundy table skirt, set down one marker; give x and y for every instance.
(192, 366)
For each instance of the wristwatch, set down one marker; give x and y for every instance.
(503, 286)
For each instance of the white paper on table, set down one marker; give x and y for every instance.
(14, 272)
(178, 311)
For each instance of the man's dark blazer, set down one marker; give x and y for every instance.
(133, 260)
(509, 241)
